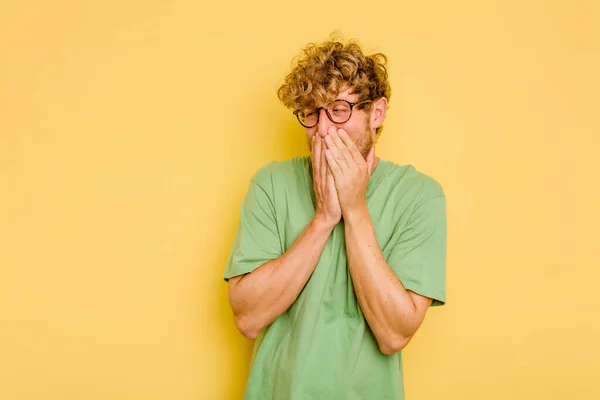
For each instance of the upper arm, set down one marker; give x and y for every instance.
(422, 304)
(257, 239)
(418, 257)
(232, 286)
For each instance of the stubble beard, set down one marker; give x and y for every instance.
(364, 144)
(365, 141)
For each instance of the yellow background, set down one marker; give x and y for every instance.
(128, 133)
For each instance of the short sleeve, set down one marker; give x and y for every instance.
(419, 256)
(256, 240)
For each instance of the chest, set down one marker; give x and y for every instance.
(295, 207)
(329, 293)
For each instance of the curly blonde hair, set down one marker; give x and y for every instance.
(324, 70)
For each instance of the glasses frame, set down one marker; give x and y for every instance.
(318, 110)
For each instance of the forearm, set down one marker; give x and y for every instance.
(259, 297)
(387, 306)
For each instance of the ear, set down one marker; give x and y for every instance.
(378, 112)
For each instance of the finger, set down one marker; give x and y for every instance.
(352, 149)
(317, 149)
(333, 148)
(330, 179)
(332, 162)
(343, 149)
(323, 164)
(313, 152)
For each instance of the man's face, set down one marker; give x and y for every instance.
(357, 127)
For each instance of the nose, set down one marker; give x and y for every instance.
(324, 123)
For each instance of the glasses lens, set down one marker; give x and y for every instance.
(340, 111)
(308, 118)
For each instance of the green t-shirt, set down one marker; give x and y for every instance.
(322, 347)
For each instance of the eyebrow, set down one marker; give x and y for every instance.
(332, 101)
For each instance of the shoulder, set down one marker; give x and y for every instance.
(276, 173)
(413, 181)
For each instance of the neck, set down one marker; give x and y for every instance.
(374, 164)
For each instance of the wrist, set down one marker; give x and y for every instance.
(322, 223)
(356, 215)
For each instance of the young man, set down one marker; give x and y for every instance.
(338, 255)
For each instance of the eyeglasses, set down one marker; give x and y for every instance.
(339, 112)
